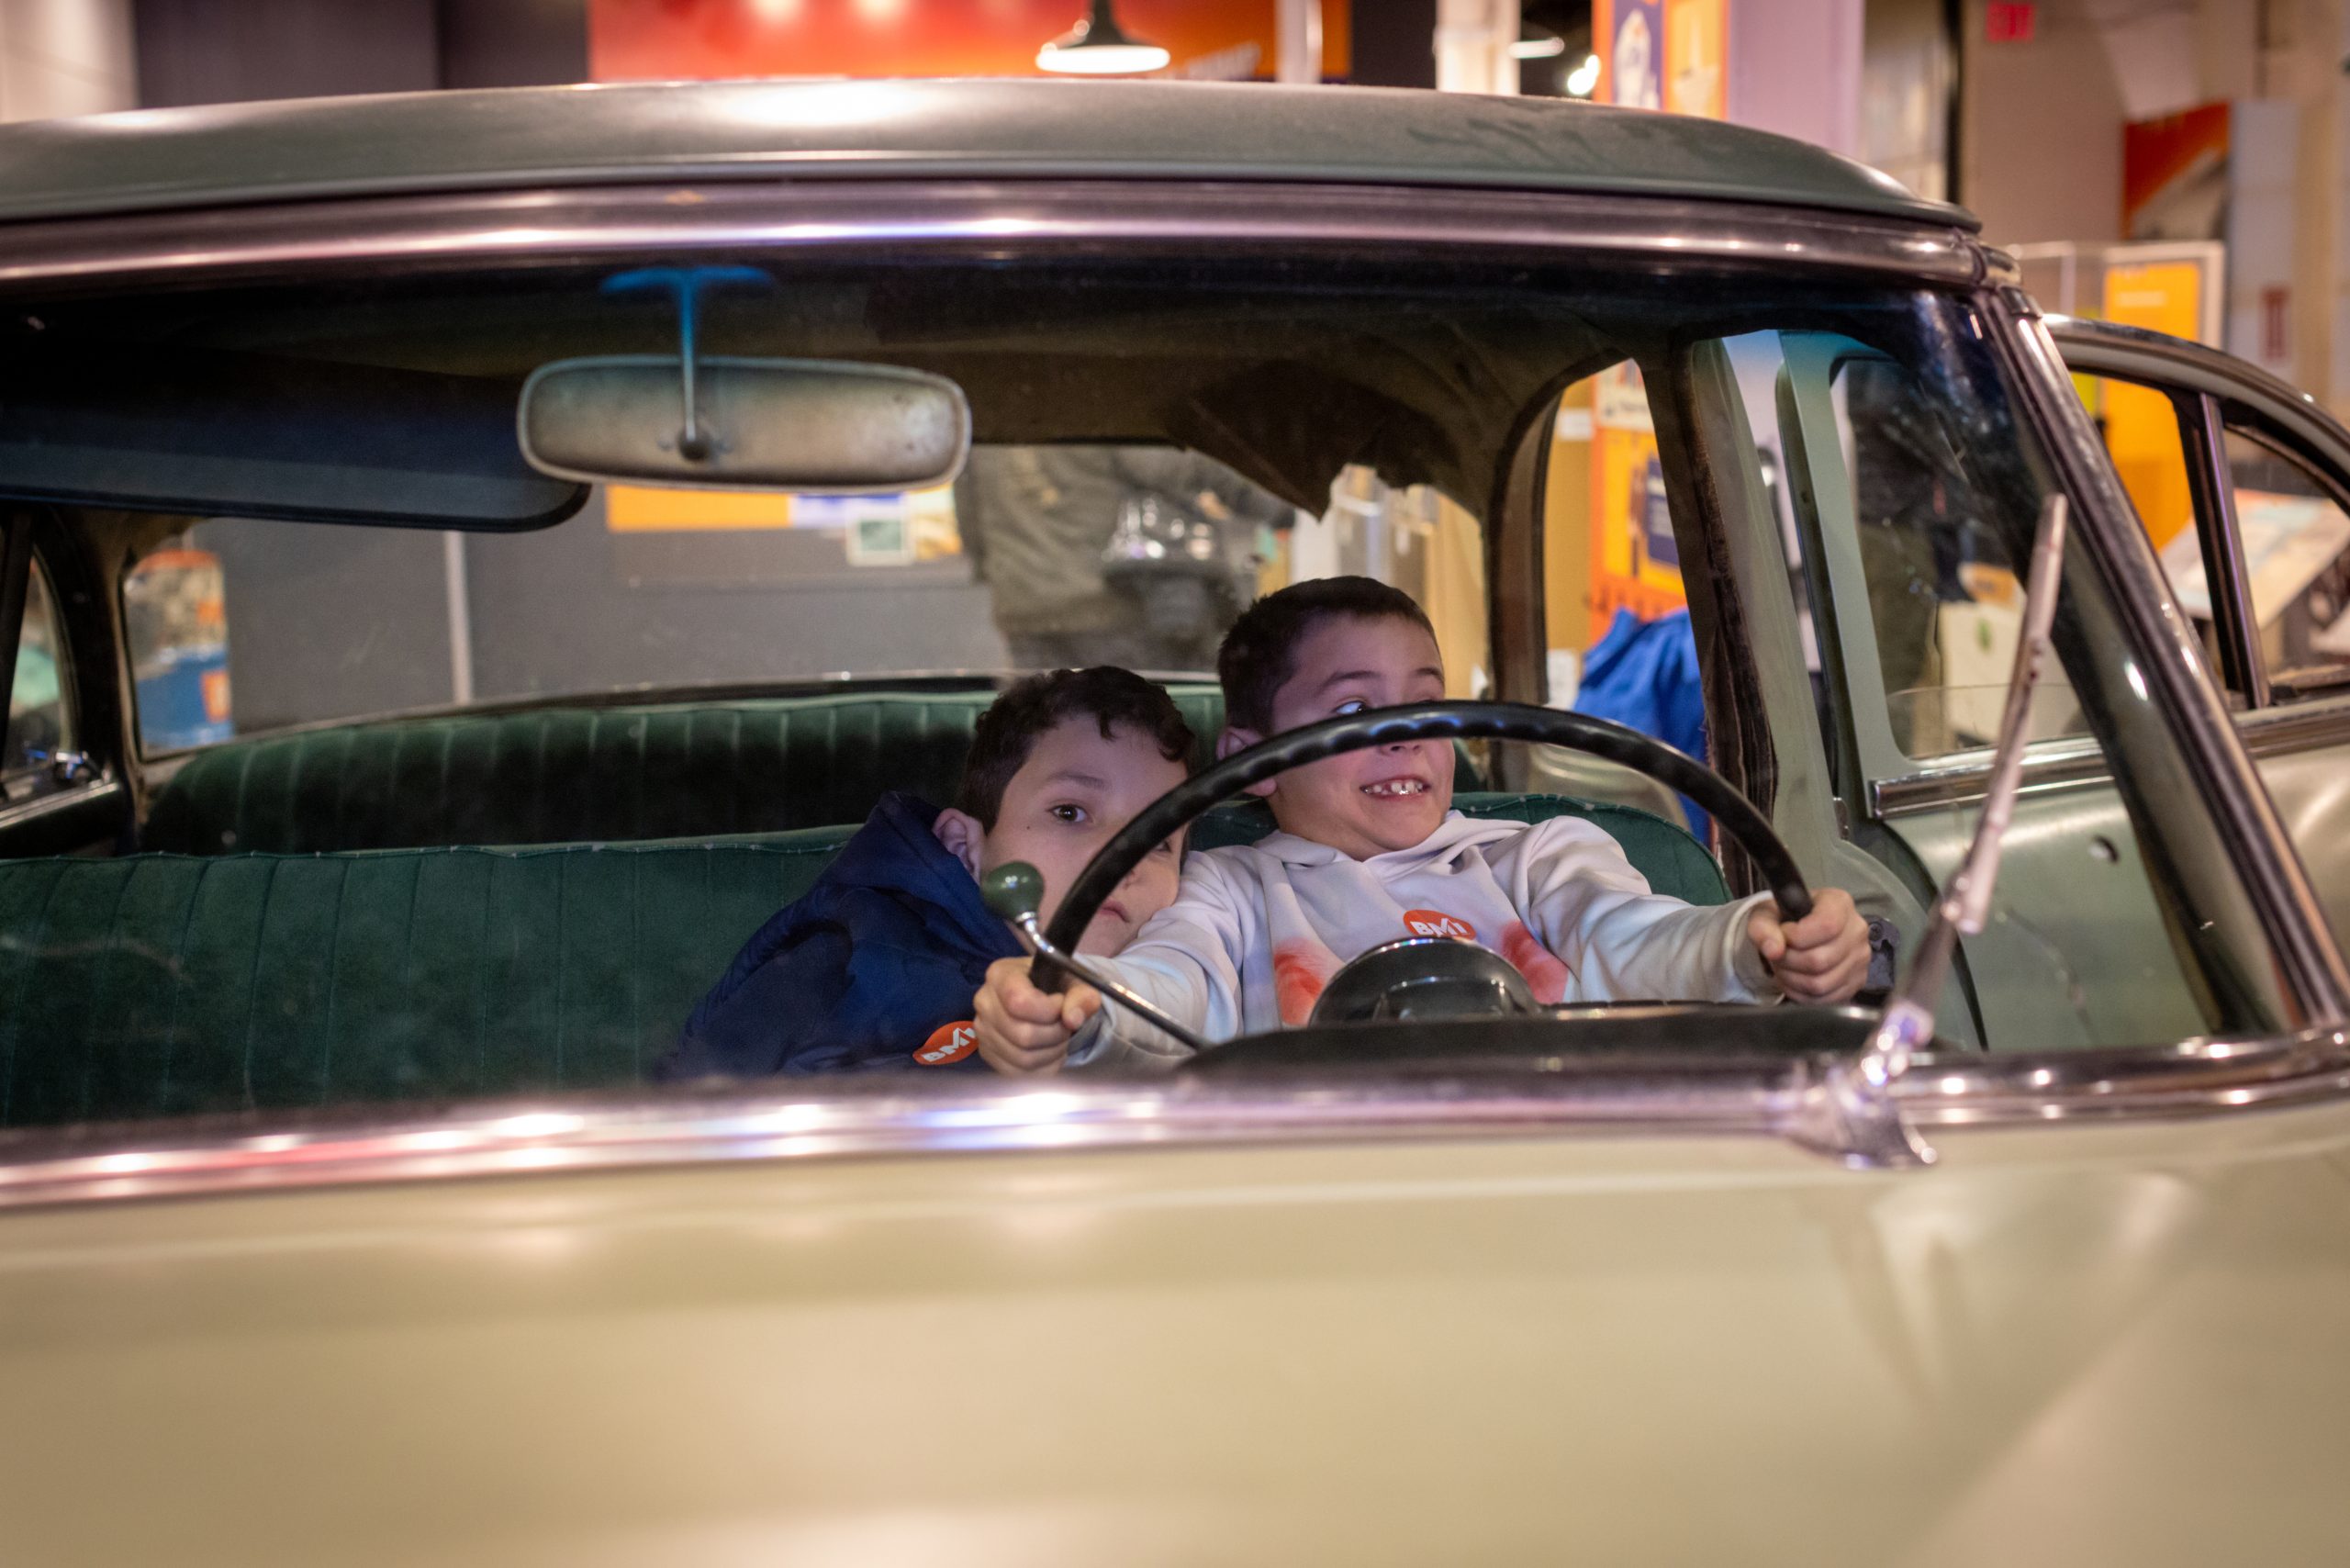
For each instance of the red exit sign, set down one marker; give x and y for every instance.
(2009, 21)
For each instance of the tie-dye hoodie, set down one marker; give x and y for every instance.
(1259, 929)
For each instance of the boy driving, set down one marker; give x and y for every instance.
(1369, 850)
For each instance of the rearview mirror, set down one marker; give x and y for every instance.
(790, 424)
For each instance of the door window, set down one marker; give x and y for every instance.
(40, 705)
(2295, 539)
(2297, 560)
(1945, 600)
(1911, 500)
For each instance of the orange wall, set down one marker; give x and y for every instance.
(676, 39)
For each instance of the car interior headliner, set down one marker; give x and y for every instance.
(1285, 381)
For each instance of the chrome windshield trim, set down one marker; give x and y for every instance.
(985, 218)
(1670, 1095)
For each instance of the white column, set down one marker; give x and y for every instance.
(1473, 40)
(1298, 58)
(1795, 67)
(66, 57)
(461, 618)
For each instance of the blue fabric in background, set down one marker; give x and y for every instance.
(1643, 675)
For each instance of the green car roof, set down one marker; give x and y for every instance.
(159, 159)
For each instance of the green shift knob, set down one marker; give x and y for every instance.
(1013, 890)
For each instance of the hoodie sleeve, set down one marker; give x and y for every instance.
(1623, 942)
(1187, 961)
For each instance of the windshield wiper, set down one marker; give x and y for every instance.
(1852, 1111)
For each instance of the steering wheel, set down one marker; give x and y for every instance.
(1416, 722)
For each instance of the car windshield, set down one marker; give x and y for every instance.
(1037, 557)
(481, 799)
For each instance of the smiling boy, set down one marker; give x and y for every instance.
(1370, 850)
(873, 968)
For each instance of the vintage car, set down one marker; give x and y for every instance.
(423, 690)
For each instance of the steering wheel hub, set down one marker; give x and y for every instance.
(1423, 980)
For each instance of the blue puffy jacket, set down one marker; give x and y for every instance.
(1643, 675)
(862, 971)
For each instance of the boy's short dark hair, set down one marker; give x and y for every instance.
(1029, 708)
(1259, 654)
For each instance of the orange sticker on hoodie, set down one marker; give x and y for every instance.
(1436, 922)
(949, 1043)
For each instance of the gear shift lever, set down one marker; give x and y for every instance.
(1012, 892)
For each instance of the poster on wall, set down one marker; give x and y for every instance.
(1636, 561)
(1664, 55)
(1697, 39)
(2175, 176)
(669, 40)
(1629, 37)
(2172, 289)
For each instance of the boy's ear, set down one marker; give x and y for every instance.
(1236, 739)
(963, 836)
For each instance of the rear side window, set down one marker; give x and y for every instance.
(40, 706)
(2297, 555)
(2294, 534)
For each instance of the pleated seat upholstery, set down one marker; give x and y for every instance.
(159, 985)
(568, 775)
(587, 774)
(169, 985)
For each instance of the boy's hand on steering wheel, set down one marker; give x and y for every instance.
(1022, 1029)
(1824, 957)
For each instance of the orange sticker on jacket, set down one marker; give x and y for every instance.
(949, 1043)
(1436, 922)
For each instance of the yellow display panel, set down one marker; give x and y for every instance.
(2141, 426)
(641, 508)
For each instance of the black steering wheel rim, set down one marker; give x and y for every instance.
(1449, 721)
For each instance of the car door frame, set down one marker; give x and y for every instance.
(2212, 392)
(2018, 979)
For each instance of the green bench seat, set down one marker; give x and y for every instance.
(158, 985)
(583, 775)
(573, 775)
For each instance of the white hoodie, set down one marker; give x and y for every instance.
(1258, 930)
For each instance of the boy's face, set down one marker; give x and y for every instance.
(1366, 802)
(1073, 792)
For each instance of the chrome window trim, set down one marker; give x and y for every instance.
(34, 807)
(1670, 1098)
(1957, 780)
(2297, 727)
(987, 217)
